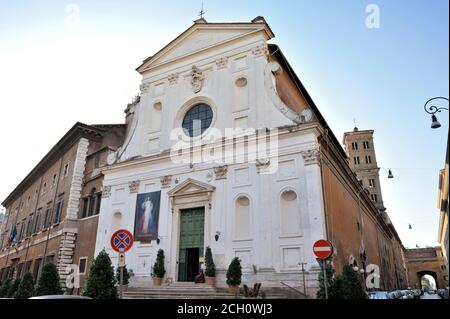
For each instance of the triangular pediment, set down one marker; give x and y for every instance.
(189, 187)
(203, 36)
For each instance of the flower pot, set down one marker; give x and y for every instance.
(210, 281)
(157, 281)
(233, 289)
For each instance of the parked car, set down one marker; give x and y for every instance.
(407, 294)
(432, 292)
(394, 294)
(443, 293)
(378, 295)
(60, 297)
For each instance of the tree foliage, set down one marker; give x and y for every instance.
(5, 287)
(26, 287)
(234, 272)
(126, 275)
(210, 269)
(101, 282)
(49, 281)
(158, 268)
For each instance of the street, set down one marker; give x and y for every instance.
(429, 296)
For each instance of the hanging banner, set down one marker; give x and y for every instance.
(147, 216)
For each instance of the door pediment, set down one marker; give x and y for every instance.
(191, 187)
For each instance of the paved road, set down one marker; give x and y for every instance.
(428, 296)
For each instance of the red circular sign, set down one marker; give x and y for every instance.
(122, 240)
(323, 249)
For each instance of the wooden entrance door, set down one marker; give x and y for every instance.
(192, 228)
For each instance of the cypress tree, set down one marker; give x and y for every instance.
(126, 275)
(26, 287)
(101, 282)
(48, 283)
(13, 289)
(158, 267)
(4, 289)
(234, 272)
(210, 269)
(353, 288)
(330, 272)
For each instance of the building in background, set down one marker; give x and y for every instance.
(427, 261)
(443, 200)
(51, 216)
(227, 75)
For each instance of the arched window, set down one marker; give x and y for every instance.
(197, 120)
(242, 218)
(290, 213)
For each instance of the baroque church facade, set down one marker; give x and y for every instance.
(276, 184)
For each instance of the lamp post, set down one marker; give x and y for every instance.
(432, 109)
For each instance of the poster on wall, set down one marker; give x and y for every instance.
(147, 215)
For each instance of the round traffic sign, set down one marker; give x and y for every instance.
(122, 240)
(323, 249)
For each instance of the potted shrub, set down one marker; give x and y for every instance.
(210, 270)
(126, 277)
(158, 268)
(234, 274)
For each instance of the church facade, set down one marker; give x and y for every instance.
(226, 149)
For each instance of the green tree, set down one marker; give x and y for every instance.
(49, 282)
(126, 275)
(210, 270)
(330, 273)
(347, 285)
(12, 291)
(234, 272)
(101, 282)
(158, 268)
(26, 287)
(4, 289)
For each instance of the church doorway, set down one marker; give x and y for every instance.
(191, 246)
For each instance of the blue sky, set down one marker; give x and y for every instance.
(54, 73)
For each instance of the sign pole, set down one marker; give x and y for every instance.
(325, 280)
(304, 281)
(323, 250)
(121, 282)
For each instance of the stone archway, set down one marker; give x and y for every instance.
(433, 274)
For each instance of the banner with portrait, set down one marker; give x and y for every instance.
(147, 216)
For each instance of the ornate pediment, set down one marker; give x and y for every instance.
(191, 187)
(203, 36)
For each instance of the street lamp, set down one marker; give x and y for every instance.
(433, 110)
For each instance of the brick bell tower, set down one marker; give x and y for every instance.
(360, 150)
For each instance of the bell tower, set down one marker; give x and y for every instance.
(360, 150)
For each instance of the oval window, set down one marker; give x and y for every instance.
(197, 120)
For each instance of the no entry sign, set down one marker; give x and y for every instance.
(122, 240)
(323, 249)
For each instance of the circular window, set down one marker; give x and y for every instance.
(197, 120)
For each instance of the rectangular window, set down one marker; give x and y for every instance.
(82, 265)
(50, 259)
(98, 203)
(356, 160)
(368, 159)
(54, 180)
(366, 145)
(58, 212)
(47, 218)
(371, 182)
(30, 225)
(374, 197)
(85, 207)
(355, 146)
(37, 221)
(37, 266)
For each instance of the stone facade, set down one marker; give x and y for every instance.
(427, 261)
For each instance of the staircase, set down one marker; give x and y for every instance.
(189, 290)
